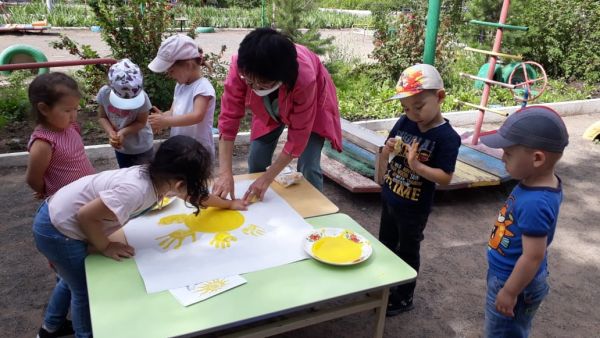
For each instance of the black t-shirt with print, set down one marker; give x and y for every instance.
(438, 148)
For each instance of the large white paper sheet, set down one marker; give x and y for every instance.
(198, 292)
(190, 250)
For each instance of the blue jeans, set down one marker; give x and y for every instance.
(129, 160)
(498, 325)
(309, 163)
(68, 257)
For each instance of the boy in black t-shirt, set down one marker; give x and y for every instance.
(425, 148)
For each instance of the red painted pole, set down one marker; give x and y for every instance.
(36, 65)
(490, 75)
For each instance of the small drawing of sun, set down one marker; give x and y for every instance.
(211, 286)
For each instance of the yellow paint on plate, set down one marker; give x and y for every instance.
(337, 249)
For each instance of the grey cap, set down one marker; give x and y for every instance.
(536, 127)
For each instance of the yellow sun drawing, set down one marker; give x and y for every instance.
(211, 286)
(210, 220)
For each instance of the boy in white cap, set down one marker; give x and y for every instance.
(533, 140)
(193, 107)
(424, 148)
(123, 113)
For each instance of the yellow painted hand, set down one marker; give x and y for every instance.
(179, 218)
(222, 240)
(253, 230)
(177, 235)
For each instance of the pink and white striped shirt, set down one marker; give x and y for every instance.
(69, 161)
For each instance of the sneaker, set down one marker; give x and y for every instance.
(65, 330)
(394, 309)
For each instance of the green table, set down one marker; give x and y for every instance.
(120, 306)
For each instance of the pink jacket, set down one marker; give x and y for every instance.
(311, 106)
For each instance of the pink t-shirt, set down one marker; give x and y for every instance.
(126, 192)
(69, 161)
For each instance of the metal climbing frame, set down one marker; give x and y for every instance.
(524, 86)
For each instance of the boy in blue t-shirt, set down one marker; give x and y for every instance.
(425, 148)
(533, 140)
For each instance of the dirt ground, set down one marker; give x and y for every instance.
(451, 286)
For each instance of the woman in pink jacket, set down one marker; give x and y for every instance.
(283, 85)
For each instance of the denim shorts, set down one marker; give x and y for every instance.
(528, 301)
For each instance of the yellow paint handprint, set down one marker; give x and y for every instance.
(210, 220)
(253, 230)
(222, 240)
(177, 235)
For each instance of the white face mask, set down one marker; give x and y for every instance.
(265, 92)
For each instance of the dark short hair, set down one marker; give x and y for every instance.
(269, 55)
(49, 88)
(183, 158)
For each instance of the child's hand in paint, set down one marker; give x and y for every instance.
(118, 250)
(238, 205)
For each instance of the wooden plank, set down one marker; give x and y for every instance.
(363, 137)
(302, 197)
(381, 163)
(311, 318)
(466, 136)
(483, 162)
(347, 178)
(466, 176)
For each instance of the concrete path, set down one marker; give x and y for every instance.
(351, 43)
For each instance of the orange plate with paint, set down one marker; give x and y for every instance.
(337, 246)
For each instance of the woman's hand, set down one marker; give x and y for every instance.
(223, 186)
(257, 189)
(117, 250)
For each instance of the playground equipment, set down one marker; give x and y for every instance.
(526, 80)
(361, 166)
(592, 133)
(17, 57)
(18, 54)
(36, 26)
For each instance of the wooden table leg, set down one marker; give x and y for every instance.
(380, 313)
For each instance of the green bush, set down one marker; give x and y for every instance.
(134, 30)
(563, 35)
(400, 42)
(363, 4)
(91, 77)
(14, 103)
(242, 15)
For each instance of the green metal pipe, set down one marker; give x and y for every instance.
(262, 16)
(433, 22)
(499, 25)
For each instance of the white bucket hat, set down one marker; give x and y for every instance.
(126, 83)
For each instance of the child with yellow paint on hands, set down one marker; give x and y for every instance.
(84, 213)
(56, 152)
(533, 140)
(424, 148)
